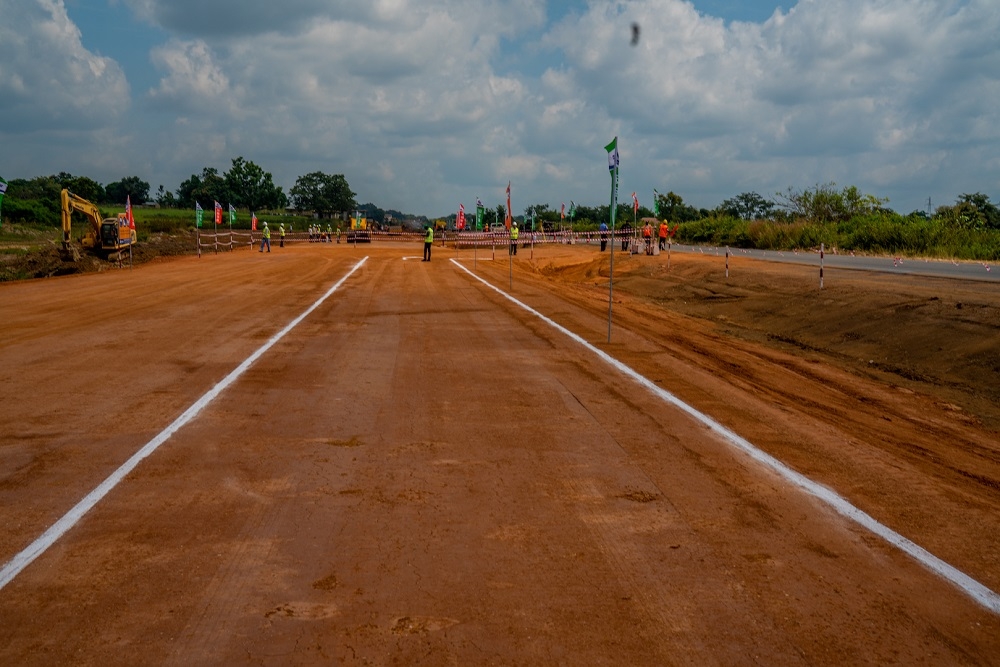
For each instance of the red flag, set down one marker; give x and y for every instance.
(218, 213)
(461, 216)
(507, 220)
(635, 203)
(562, 211)
(128, 211)
(253, 221)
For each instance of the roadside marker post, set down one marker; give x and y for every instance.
(822, 247)
(510, 271)
(727, 262)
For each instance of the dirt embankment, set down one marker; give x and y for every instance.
(48, 259)
(931, 335)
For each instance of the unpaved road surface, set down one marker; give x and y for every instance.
(422, 472)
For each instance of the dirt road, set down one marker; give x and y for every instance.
(420, 472)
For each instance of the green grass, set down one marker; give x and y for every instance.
(879, 233)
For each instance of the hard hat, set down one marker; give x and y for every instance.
(265, 223)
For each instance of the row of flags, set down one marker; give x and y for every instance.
(614, 161)
(199, 213)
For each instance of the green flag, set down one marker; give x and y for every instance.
(612, 150)
(656, 203)
(198, 212)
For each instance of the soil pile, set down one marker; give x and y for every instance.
(49, 260)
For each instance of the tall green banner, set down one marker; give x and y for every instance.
(480, 212)
(3, 191)
(612, 150)
(198, 213)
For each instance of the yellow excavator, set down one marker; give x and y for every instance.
(108, 236)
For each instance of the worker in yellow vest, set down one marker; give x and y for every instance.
(265, 239)
(281, 235)
(428, 242)
(513, 238)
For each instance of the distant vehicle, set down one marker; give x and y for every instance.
(107, 236)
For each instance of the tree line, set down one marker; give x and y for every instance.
(820, 204)
(246, 186)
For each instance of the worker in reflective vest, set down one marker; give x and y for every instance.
(428, 242)
(281, 235)
(265, 239)
(513, 238)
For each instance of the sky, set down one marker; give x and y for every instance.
(427, 104)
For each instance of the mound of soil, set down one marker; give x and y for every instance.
(937, 336)
(50, 260)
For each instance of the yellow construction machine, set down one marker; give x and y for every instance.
(359, 231)
(108, 236)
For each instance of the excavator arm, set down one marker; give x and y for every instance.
(71, 203)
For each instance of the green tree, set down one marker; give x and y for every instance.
(204, 189)
(129, 188)
(673, 208)
(748, 206)
(165, 198)
(252, 188)
(373, 213)
(980, 207)
(44, 188)
(323, 193)
(82, 186)
(824, 203)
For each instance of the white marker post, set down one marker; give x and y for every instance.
(727, 262)
(822, 247)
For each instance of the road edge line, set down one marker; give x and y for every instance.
(974, 589)
(41, 544)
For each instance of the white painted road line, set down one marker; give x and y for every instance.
(964, 582)
(68, 520)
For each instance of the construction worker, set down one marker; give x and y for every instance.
(338, 232)
(513, 238)
(329, 233)
(281, 235)
(428, 242)
(647, 237)
(265, 239)
(664, 230)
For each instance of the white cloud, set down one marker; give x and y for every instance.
(48, 80)
(194, 83)
(425, 103)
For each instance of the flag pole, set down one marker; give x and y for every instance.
(611, 275)
(612, 149)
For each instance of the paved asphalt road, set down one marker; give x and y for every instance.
(937, 268)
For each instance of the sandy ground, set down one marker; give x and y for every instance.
(420, 472)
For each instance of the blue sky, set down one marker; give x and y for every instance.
(425, 104)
